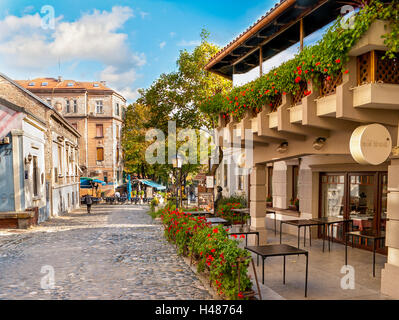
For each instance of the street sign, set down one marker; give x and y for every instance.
(209, 182)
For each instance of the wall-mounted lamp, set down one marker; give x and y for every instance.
(6, 140)
(28, 159)
(319, 143)
(283, 147)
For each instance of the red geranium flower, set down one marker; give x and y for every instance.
(297, 79)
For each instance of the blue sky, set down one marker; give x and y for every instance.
(127, 43)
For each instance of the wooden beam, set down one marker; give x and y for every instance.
(301, 34)
(260, 61)
(289, 25)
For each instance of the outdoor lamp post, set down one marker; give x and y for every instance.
(178, 163)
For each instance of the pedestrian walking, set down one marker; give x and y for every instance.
(89, 202)
(219, 197)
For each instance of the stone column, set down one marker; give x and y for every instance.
(281, 185)
(390, 274)
(258, 202)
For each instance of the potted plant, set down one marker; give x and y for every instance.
(294, 204)
(269, 201)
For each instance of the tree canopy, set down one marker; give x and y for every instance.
(174, 96)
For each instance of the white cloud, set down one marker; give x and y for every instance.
(95, 37)
(129, 94)
(172, 34)
(162, 44)
(192, 43)
(143, 14)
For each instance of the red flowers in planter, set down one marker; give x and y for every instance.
(298, 79)
(338, 61)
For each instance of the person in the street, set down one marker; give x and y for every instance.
(218, 199)
(89, 202)
(117, 195)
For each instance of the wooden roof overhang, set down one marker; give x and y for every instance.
(276, 31)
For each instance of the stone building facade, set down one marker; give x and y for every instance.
(30, 129)
(304, 144)
(97, 113)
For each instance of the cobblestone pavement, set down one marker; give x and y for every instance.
(116, 252)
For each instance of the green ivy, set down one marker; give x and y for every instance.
(327, 58)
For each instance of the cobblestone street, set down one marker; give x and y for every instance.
(117, 252)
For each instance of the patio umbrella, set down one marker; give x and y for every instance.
(88, 183)
(129, 188)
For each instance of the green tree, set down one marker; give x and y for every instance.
(175, 96)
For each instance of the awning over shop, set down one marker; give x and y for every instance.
(152, 184)
(88, 183)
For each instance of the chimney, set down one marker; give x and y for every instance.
(104, 83)
(59, 78)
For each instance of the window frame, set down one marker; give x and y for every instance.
(99, 104)
(99, 125)
(35, 176)
(102, 150)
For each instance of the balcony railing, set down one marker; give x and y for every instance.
(276, 102)
(300, 94)
(371, 67)
(328, 85)
(255, 111)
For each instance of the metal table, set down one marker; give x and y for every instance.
(269, 211)
(301, 223)
(216, 220)
(275, 250)
(328, 222)
(367, 234)
(241, 212)
(197, 213)
(244, 230)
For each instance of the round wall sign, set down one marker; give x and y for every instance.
(371, 144)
